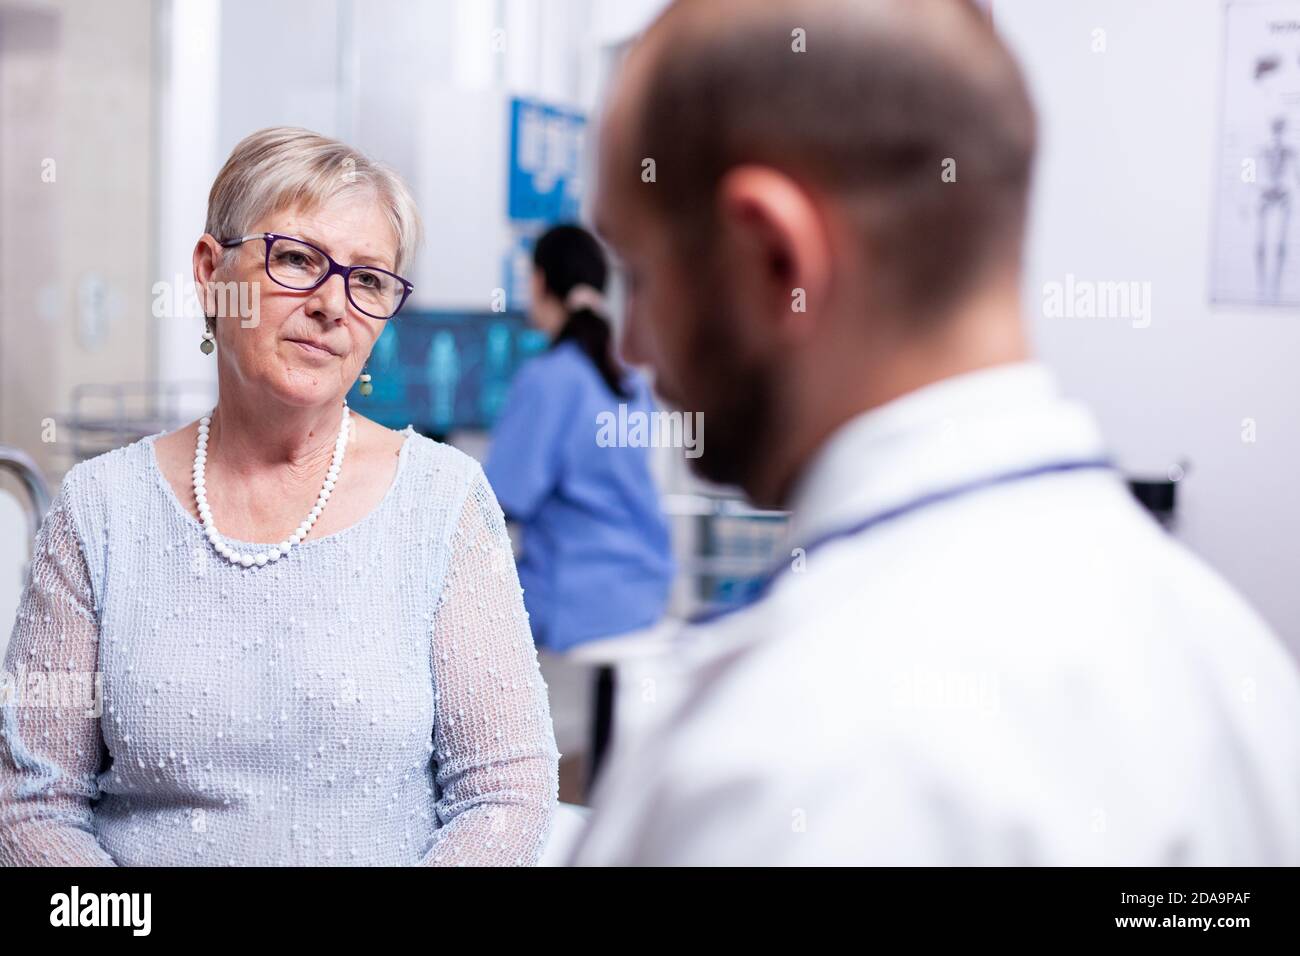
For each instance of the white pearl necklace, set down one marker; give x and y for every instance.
(280, 550)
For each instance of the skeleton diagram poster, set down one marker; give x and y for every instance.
(1256, 255)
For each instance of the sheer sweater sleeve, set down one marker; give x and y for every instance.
(494, 745)
(51, 748)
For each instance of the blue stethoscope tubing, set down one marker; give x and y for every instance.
(898, 511)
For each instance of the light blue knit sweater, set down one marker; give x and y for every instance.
(373, 698)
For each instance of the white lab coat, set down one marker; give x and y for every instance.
(1034, 673)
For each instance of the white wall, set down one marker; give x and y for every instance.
(423, 85)
(1125, 193)
(189, 78)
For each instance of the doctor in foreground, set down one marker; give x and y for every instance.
(982, 650)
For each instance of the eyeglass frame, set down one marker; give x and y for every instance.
(334, 269)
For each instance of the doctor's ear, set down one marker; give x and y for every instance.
(777, 238)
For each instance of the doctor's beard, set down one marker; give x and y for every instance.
(735, 393)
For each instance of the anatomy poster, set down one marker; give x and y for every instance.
(1256, 256)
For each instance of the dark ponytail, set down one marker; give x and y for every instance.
(568, 256)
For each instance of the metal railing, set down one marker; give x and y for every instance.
(726, 546)
(110, 415)
(21, 465)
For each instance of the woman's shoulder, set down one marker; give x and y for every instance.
(638, 383)
(562, 362)
(566, 368)
(441, 481)
(112, 483)
(439, 466)
(117, 473)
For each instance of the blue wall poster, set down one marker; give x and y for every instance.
(546, 148)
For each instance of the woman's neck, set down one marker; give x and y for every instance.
(249, 434)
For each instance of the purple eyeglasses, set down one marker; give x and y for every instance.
(300, 266)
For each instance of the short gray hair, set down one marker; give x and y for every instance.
(285, 166)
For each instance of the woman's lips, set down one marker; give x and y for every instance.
(314, 350)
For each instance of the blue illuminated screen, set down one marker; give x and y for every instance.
(442, 371)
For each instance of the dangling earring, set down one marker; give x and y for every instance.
(208, 344)
(366, 387)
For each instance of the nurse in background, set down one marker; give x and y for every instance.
(596, 559)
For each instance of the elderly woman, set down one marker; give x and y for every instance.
(310, 631)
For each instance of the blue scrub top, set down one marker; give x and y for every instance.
(596, 558)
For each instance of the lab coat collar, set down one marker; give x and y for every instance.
(965, 428)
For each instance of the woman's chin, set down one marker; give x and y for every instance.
(307, 387)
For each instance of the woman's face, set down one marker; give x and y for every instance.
(303, 348)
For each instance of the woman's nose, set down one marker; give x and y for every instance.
(329, 300)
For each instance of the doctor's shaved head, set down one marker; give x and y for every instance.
(877, 154)
(885, 92)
